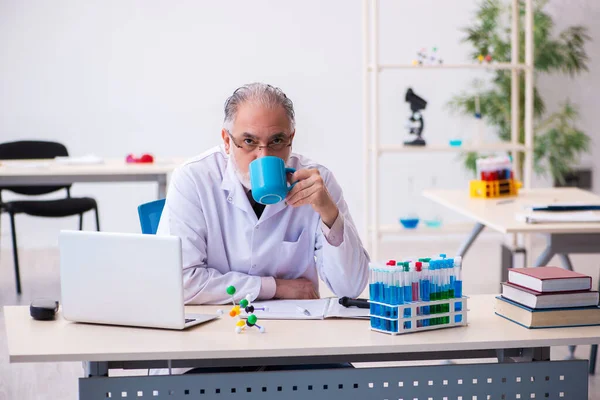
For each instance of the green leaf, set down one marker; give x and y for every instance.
(558, 142)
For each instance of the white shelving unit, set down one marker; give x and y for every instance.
(506, 66)
(373, 149)
(400, 148)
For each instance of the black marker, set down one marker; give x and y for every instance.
(359, 303)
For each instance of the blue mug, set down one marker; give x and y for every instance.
(268, 178)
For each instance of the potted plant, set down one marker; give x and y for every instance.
(558, 142)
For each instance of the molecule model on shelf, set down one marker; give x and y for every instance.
(424, 58)
(246, 306)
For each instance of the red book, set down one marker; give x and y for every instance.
(549, 279)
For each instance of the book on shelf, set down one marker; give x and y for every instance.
(546, 318)
(549, 279)
(532, 299)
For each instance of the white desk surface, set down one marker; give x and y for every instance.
(43, 167)
(501, 217)
(60, 340)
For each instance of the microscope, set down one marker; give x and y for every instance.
(416, 122)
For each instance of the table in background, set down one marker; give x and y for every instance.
(49, 172)
(523, 355)
(500, 215)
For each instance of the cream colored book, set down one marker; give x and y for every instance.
(546, 318)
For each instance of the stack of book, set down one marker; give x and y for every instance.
(546, 297)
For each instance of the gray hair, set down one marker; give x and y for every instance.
(260, 93)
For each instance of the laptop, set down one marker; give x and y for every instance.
(123, 279)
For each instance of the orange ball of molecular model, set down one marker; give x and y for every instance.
(244, 305)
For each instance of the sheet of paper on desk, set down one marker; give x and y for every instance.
(318, 309)
(288, 309)
(550, 217)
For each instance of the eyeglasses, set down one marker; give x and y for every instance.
(278, 143)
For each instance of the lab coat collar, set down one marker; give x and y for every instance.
(236, 194)
(238, 197)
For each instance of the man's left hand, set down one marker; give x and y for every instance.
(310, 189)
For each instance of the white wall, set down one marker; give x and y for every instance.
(114, 77)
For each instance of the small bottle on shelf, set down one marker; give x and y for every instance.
(434, 220)
(410, 220)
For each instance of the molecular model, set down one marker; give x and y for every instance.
(424, 58)
(235, 311)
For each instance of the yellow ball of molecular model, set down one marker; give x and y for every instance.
(244, 305)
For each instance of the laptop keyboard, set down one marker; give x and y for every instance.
(189, 320)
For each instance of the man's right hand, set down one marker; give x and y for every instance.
(295, 289)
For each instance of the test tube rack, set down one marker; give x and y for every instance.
(417, 316)
(494, 189)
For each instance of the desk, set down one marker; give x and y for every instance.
(310, 342)
(49, 172)
(562, 238)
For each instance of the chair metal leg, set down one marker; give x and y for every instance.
(593, 358)
(544, 258)
(566, 261)
(81, 221)
(571, 355)
(15, 253)
(97, 219)
(464, 247)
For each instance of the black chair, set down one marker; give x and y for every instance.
(66, 207)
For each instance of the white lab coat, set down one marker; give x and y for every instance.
(225, 244)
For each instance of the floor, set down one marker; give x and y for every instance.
(59, 380)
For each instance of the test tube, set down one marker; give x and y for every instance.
(373, 294)
(432, 289)
(417, 282)
(407, 293)
(440, 287)
(387, 308)
(396, 294)
(446, 291)
(452, 277)
(425, 289)
(400, 288)
(416, 276)
(506, 168)
(458, 286)
(485, 170)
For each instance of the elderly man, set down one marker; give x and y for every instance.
(274, 251)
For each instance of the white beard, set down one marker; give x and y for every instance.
(243, 178)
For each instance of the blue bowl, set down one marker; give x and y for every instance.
(409, 223)
(456, 142)
(433, 223)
